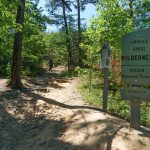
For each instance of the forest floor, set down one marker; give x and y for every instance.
(49, 114)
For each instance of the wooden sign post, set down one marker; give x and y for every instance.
(135, 72)
(105, 64)
(105, 88)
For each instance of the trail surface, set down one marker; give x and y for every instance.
(49, 114)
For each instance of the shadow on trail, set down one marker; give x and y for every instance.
(24, 129)
(36, 97)
(99, 143)
(47, 80)
(105, 130)
(31, 133)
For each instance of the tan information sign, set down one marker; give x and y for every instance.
(136, 58)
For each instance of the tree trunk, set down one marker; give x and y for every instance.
(67, 38)
(79, 33)
(17, 49)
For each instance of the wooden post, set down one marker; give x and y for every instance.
(105, 88)
(90, 79)
(135, 114)
(105, 64)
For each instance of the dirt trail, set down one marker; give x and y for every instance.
(49, 114)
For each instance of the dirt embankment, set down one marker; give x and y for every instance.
(49, 114)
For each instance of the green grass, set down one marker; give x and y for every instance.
(92, 97)
(92, 93)
(69, 74)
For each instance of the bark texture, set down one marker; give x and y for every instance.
(17, 49)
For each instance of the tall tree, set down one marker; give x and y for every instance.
(67, 36)
(79, 32)
(65, 5)
(81, 7)
(17, 49)
(139, 12)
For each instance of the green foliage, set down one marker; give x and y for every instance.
(8, 70)
(145, 114)
(34, 44)
(69, 74)
(140, 9)
(55, 47)
(117, 106)
(34, 38)
(7, 28)
(111, 23)
(31, 72)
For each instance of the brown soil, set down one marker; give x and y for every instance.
(49, 114)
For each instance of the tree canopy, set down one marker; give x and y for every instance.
(73, 43)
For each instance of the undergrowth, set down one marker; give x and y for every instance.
(91, 89)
